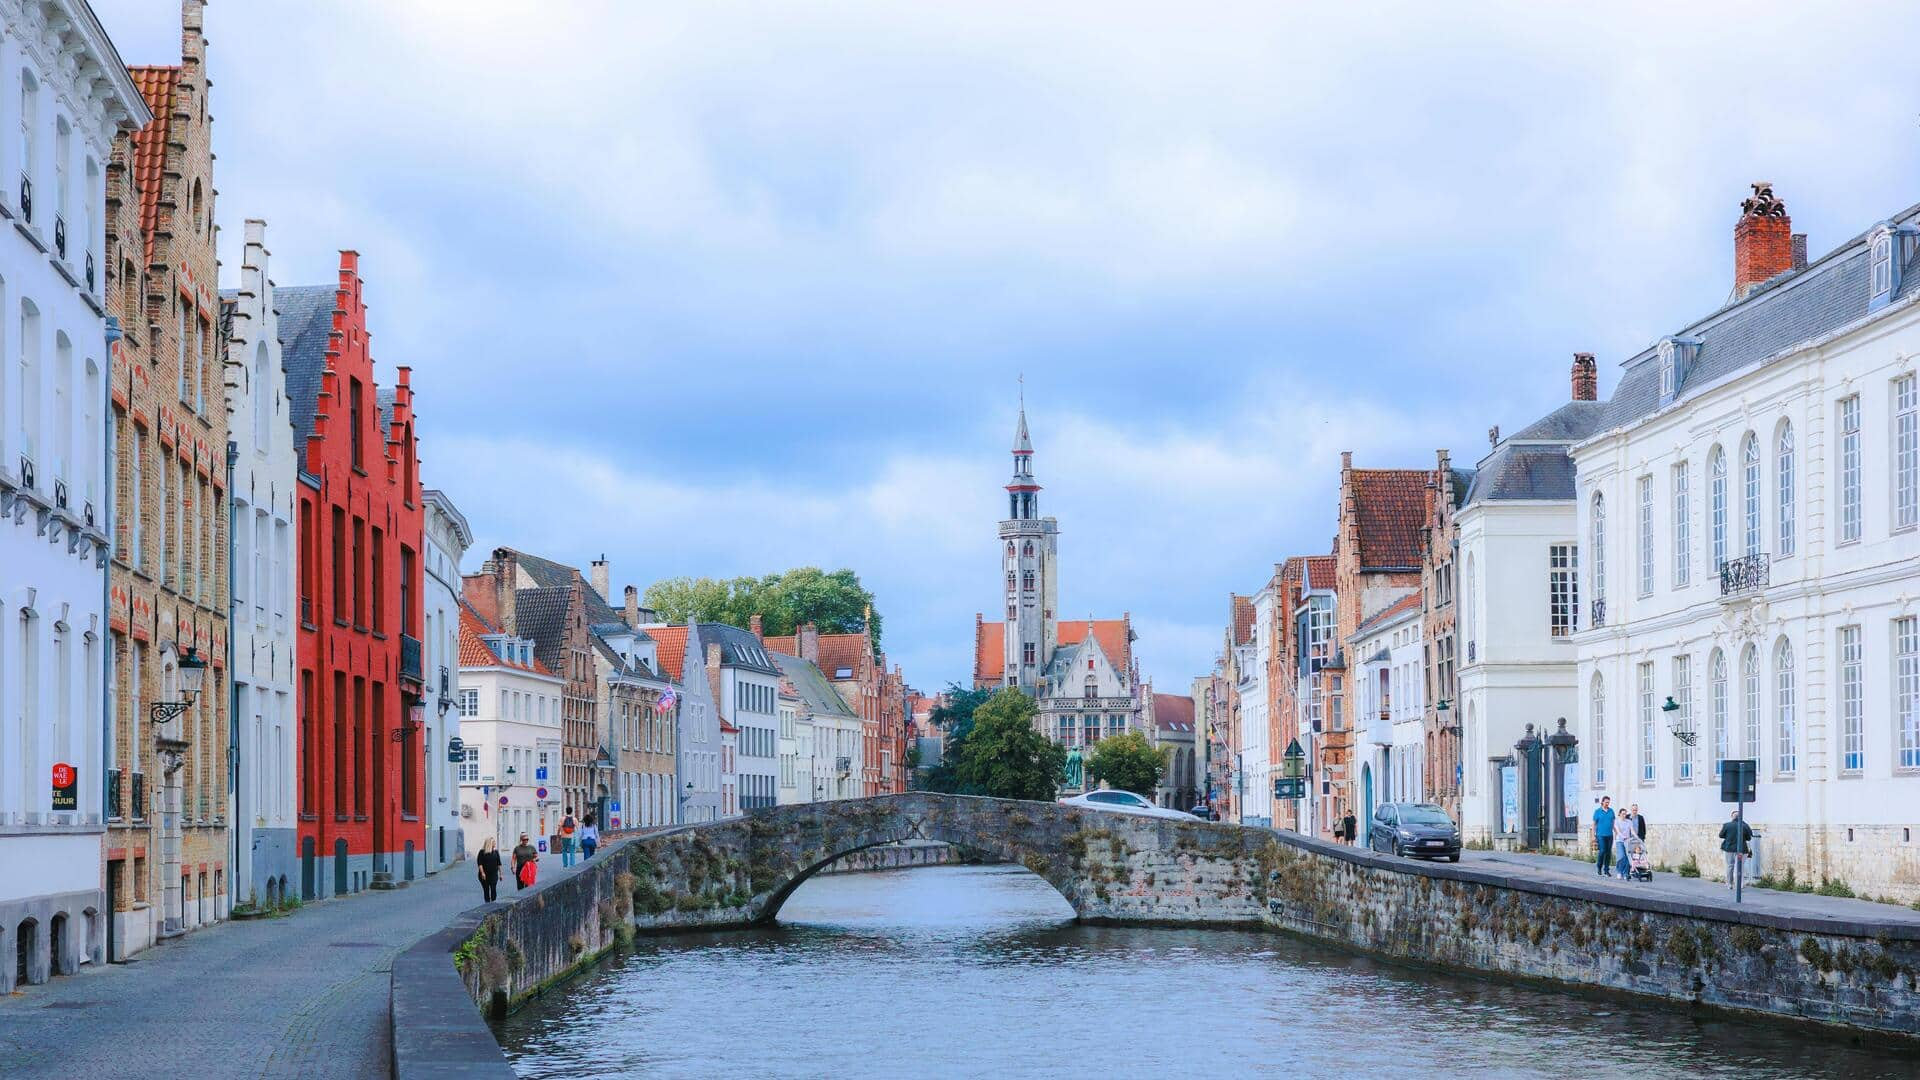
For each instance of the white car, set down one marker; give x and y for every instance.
(1123, 802)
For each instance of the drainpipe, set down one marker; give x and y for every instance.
(233, 714)
(112, 336)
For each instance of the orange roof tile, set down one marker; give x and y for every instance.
(989, 656)
(781, 643)
(1242, 618)
(989, 652)
(1111, 634)
(156, 84)
(672, 644)
(841, 652)
(1173, 712)
(1320, 571)
(474, 651)
(1390, 506)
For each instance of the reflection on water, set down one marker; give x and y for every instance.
(980, 971)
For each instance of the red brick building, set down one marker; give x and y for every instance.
(360, 770)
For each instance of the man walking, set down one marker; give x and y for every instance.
(567, 827)
(1639, 821)
(1603, 836)
(1734, 836)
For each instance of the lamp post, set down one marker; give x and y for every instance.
(193, 675)
(1685, 734)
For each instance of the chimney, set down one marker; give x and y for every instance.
(1799, 251)
(753, 626)
(713, 672)
(1762, 241)
(506, 588)
(807, 640)
(1586, 377)
(602, 579)
(632, 606)
(1493, 435)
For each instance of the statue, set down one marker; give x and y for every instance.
(1073, 770)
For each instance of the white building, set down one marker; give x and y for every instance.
(697, 794)
(510, 707)
(796, 745)
(265, 560)
(64, 88)
(828, 730)
(447, 538)
(1751, 503)
(749, 700)
(1391, 704)
(1255, 767)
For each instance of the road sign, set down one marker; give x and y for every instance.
(614, 806)
(503, 800)
(616, 823)
(65, 787)
(539, 772)
(1290, 787)
(540, 793)
(1737, 780)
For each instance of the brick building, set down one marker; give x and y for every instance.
(1439, 581)
(859, 673)
(360, 687)
(167, 837)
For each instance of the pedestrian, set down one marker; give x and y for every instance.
(1622, 828)
(489, 863)
(589, 836)
(1349, 825)
(1639, 821)
(567, 828)
(1603, 836)
(525, 863)
(1733, 841)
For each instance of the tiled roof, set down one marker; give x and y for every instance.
(1242, 619)
(474, 651)
(989, 652)
(1794, 308)
(1110, 634)
(672, 643)
(156, 84)
(1320, 572)
(782, 643)
(1409, 602)
(306, 324)
(1390, 506)
(842, 652)
(813, 687)
(1173, 712)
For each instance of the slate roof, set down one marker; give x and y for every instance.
(1524, 472)
(1791, 309)
(738, 648)
(1462, 484)
(812, 686)
(546, 573)
(1569, 423)
(156, 85)
(475, 653)
(540, 616)
(1173, 712)
(306, 324)
(1390, 506)
(1409, 602)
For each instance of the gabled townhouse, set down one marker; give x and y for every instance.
(697, 745)
(266, 565)
(1319, 673)
(1171, 731)
(1442, 771)
(747, 687)
(1388, 696)
(836, 728)
(638, 709)
(796, 743)
(60, 778)
(510, 707)
(1256, 731)
(1751, 501)
(445, 540)
(1236, 655)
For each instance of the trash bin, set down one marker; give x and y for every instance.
(1754, 868)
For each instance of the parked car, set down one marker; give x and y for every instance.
(1414, 830)
(1204, 812)
(1123, 802)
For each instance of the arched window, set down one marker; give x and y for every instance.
(1009, 549)
(29, 125)
(1717, 707)
(262, 402)
(62, 407)
(1786, 738)
(1466, 610)
(1717, 503)
(1783, 476)
(1598, 605)
(1750, 702)
(1028, 550)
(29, 346)
(62, 150)
(1750, 484)
(1597, 714)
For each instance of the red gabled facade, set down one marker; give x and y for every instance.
(361, 773)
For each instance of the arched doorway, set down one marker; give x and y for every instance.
(25, 940)
(57, 945)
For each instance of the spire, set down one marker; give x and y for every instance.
(1022, 444)
(1022, 490)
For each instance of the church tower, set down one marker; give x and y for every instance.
(1028, 546)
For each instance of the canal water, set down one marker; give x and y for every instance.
(980, 971)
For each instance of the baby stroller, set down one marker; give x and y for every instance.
(1639, 868)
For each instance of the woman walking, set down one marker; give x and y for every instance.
(1622, 830)
(589, 836)
(489, 862)
(526, 863)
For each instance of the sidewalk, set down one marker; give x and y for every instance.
(1703, 891)
(304, 996)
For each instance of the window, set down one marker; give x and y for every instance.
(1598, 712)
(1850, 469)
(1666, 378)
(183, 329)
(1786, 756)
(469, 703)
(1906, 455)
(470, 765)
(29, 123)
(1783, 475)
(1597, 602)
(1717, 707)
(29, 383)
(1880, 267)
(1563, 597)
(1646, 536)
(1682, 528)
(1853, 734)
(137, 499)
(354, 424)
(1717, 508)
(1906, 687)
(1646, 723)
(1683, 697)
(378, 582)
(1750, 692)
(1750, 489)
(339, 546)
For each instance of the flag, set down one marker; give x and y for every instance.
(667, 699)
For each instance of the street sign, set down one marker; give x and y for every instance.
(614, 806)
(1290, 787)
(66, 795)
(1738, 780)
(456, 749)
(503, 800)
(540, 772)
(540, 793)
(616, 823)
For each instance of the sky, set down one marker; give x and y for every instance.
(725, 288)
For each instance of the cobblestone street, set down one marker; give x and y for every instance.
(304, 996)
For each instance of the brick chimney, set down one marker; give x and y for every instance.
(754, 625)
(602, 578)
(1586, 377)
(632, 599)
(1762, 240)
(713, 672)
(807, 640)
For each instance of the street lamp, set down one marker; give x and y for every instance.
(1676, 725)
(193, 674)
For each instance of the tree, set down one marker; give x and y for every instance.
(834, 602)
(954, 716)
(1005, 756)
(1128, 762)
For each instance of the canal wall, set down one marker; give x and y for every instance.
(895, 857)
(1859, 973)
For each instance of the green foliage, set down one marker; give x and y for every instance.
(1128, 762)
(954, 715)
(1004, 756)
(835, 602)
(1834, 887)
(1690, 868)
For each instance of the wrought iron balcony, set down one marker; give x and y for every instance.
(1749, 573)
(26, 196)
(410, 658)
(89, 271)
(1599, 617)
(60, 235)
(114, 796)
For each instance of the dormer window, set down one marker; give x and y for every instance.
(1676, 356)
(1881, 267)
(1666, 376)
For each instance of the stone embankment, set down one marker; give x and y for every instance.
(895, 857)
(1859, 972)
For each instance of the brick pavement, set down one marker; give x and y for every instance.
(304, 996)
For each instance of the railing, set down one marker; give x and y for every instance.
(26, 197)
(410, 658)
(137, 803)
(89, 271)
(1599, 617)
(60, 235)
(114, 810)
(1745, 574)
